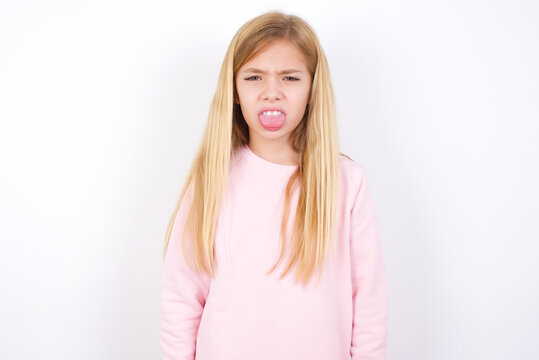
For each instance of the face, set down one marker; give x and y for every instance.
(273, 89)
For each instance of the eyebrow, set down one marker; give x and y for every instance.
(287, 71)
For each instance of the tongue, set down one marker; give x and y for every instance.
(272, 121)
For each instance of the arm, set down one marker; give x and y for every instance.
(370, 319)
(183, 296)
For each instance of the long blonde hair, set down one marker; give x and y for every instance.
(315, 139)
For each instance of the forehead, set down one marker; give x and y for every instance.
(278, 54)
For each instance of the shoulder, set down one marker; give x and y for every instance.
(353, 179)
(351, 170)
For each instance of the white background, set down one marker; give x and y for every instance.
(102, 105)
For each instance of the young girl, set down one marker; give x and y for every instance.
(269, 184)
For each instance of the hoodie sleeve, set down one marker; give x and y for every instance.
(183, 295)
(369, 292)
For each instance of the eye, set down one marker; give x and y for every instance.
(291, 78)
(251, 77)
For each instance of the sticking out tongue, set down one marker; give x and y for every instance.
(272, 122)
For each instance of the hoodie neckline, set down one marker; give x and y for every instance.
(249, 154)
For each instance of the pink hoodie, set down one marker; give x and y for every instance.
(243, 314)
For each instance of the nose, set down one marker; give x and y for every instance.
(272, 89)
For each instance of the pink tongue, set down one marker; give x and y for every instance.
(272, 121)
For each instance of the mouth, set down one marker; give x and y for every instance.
(272, 112)
(272, 119)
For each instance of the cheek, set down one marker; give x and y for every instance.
(241, 88)
(245, 93)
(300, 96)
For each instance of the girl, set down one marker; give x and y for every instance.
(268, 182)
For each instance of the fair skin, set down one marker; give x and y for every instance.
(266, 82)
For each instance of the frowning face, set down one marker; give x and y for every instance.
(273, 89)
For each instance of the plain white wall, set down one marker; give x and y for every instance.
(102, 105)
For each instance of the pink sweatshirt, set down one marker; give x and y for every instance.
(243, 314)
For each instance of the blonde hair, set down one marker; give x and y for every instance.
(315, 139)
